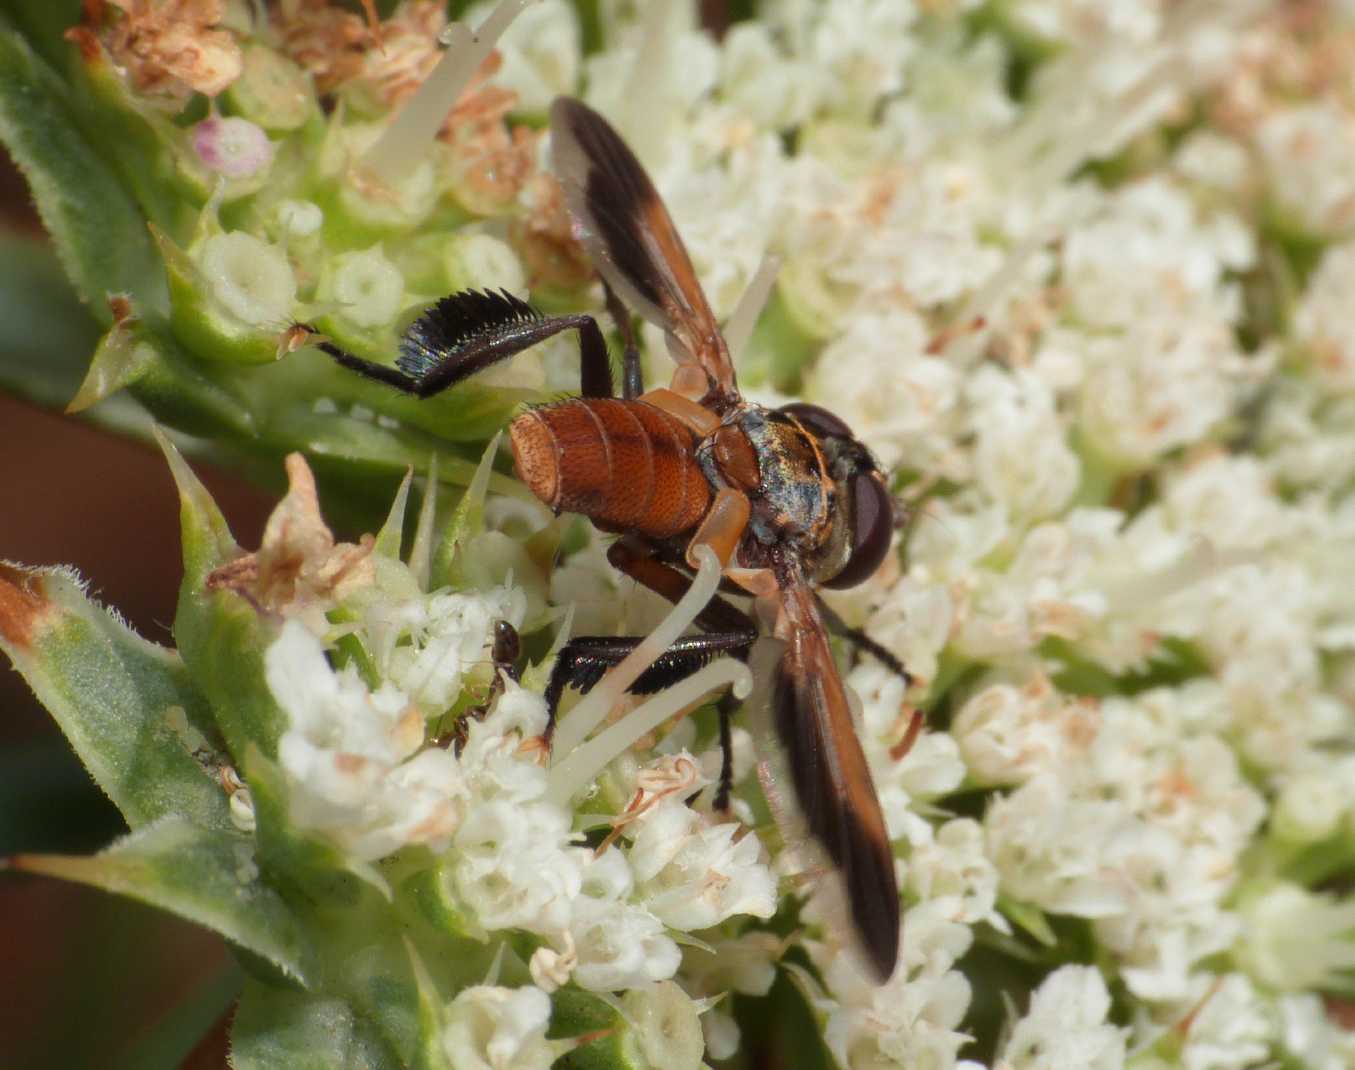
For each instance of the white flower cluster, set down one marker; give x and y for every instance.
(1128, 570)
(363, 768)
(1053, 346)
(361, 772)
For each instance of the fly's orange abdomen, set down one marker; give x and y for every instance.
(626, 465)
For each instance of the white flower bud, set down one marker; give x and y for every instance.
(1294, 939)
(1160, 385)
(721, 1032)
(620, 946)
(540, 52)
(1324, 321)
(666, 1026)
(1231, 1023)
(368, 288)
(1008, 734)
(512, 869)
(299, 218)
(344, 753)
(1310, 808)
(1048, 848)
(1022, 458)
(483, 262)
(550, 969)
(249, 278)
(425, 646)
(1066, 1026)
(491, 1028)
(692, 875)
(1309, 152)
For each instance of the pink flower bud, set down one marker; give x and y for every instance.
(232, 147)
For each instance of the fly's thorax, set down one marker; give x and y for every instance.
(813, 488)
(779, 465)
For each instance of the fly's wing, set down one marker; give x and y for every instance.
(630, 237)
(812, 719)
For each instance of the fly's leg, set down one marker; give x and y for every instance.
(725, 709)
(862, 641)
(632, 382)
(583, 661)
(504, 653)
(469, 331)
(885, 657)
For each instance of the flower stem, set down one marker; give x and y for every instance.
(403, 143)
(589, 713)
(585, 762)
(752, 301)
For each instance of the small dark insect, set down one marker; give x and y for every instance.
(787, 498)
(504, 653)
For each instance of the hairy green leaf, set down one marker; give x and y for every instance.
(99, 230)
(276, 1027)
(207, 876)
(127, 705)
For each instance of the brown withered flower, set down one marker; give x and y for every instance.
(172, 48)
(545, 238)
(299, 570)
(325, 40)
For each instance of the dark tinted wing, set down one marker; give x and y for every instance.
(832, 782)
(630, 236)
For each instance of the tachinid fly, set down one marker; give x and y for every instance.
(787, 498)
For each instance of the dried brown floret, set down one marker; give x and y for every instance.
(23, 602)
(545, 239)
(409, 49)
(1293, 52)
(323, 39)
(299, 570)
(169, 48)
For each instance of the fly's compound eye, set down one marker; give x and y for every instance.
(822, 422)
(871, 517)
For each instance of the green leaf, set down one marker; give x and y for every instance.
(223, 639)
(198, 319)
(467, 521)
(124, 703)
(275, 1027)
(220, 635)
(99, 230)
(302, 866)
(207, 876)
(469, 412)
(390, 539)
(1030, 918)
(46, 334)
(579, 1013)
(295, 424)
(428, 1013)
(207, 539)
(170, 385)
(121, 358)
(43, 23)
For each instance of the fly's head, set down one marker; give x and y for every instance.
(861, 512)
(815, 490)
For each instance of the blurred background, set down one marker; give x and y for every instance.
(72, 494)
